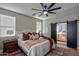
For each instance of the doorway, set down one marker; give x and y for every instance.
(61, 33)
(65, 33)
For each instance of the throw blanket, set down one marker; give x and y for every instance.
(30, 43)
(50, 40)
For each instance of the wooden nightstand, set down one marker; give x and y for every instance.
(1, 48)
(10, 46)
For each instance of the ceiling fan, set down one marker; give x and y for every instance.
(46, 9)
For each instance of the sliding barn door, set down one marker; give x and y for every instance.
(53, 32)
(72, 34)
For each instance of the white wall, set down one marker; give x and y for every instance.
(68, 15)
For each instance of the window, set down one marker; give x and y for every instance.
(7, 26)
(38, 27)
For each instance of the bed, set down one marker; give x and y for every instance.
(38, 47)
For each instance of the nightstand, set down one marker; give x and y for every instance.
(1, 48)
(10, 46)
(1, 52)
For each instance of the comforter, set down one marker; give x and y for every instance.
(37, 47)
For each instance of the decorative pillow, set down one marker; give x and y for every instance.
(25, 36)
(39, 34)
(34, 33)
(29, 33)
(19, 36)
(35, 36)
(30, 37)
(45, 37)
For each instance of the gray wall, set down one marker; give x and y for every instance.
(68, 15)
(78, 34)
(23, 22)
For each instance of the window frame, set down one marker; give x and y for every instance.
(39, 30)
(11, 28)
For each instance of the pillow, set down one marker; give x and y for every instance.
(39, 34)
(45, 37)
(36, 36)
(29, 33)
(19, 36)
(25, 36)
(30, 37)
(34, 33)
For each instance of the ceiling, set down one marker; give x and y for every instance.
(26, 8)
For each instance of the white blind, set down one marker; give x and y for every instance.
(7, 26)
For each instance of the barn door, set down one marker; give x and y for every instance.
(72, 34)
(53, 32)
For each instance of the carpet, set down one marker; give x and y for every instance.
(58, 51)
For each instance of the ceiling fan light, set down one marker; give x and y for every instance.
(45, 12)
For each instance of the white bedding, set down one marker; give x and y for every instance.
(36, 50)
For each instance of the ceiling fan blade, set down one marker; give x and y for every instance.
(36, 9)
(42, 6)
(52, 4)
(52, 12)
(41, 14)
(54, 9)
(35, 13)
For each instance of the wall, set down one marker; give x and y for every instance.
(78, 34)
(68, 15)
(23, 22)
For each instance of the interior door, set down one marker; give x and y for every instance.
(72, 34)
(53, 32)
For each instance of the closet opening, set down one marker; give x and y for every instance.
(61, 33)
(65, 33)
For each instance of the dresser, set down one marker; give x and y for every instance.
(10, 46)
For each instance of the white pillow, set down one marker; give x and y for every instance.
(35, 37)
(30, 37)
(20, 36)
